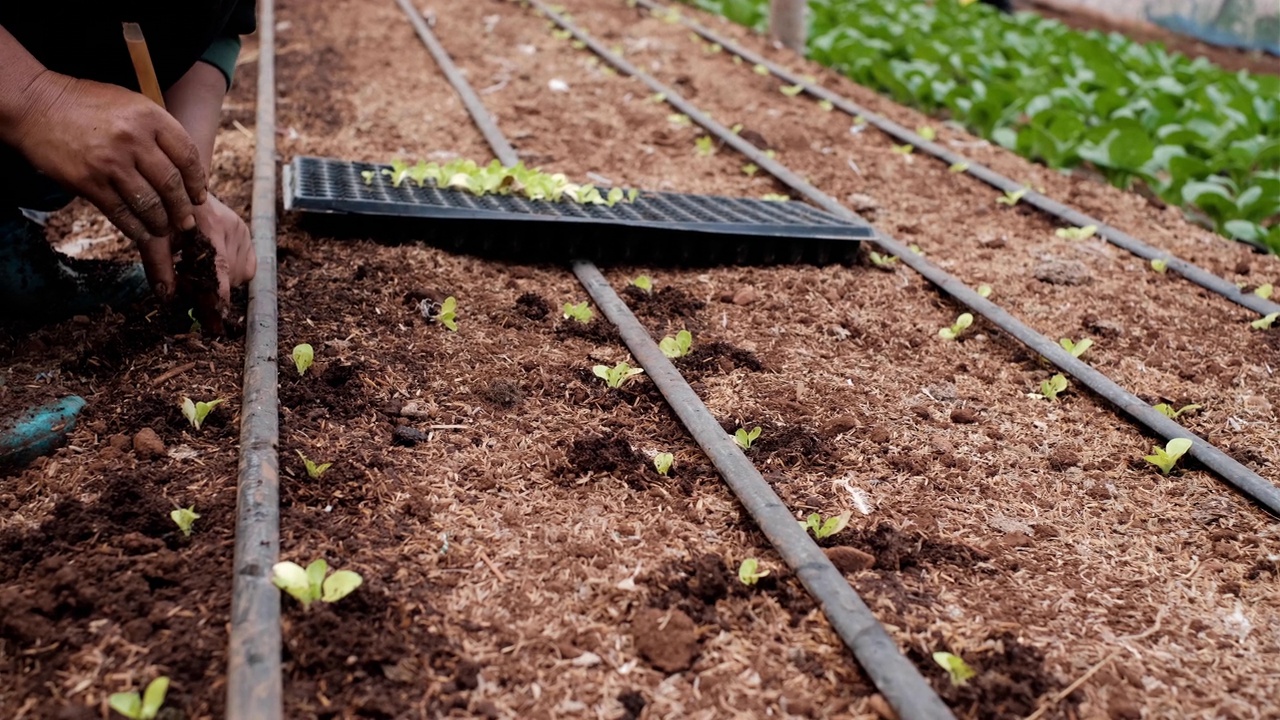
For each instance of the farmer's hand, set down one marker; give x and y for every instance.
(124, 154)
(233, 258)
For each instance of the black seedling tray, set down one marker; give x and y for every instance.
(750, 230)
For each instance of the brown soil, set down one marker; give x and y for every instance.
(516, 552)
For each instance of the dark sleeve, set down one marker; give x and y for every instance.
(225, 50)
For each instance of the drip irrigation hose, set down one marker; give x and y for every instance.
(1233, 473)
(1069, 215)
(894, 676)
(254, 684)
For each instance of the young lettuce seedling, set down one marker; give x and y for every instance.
(310, 585)
(823, 529)
(1076, 349)
(679, 120)
(617, 375)
(645, 283)
(959, 167)
(884, 262)
(1168, 411)
(744, 439)
(826, 105)
(196, 412)
(368, 176)
(984, 290)
(749, 572)
(314, 471)
(1051, 388)
(791, 90)
(1159, 265)
(678, 346)
(448, 315)
(1011, 198)
(581, 312)
(662, 462)
(956, 668)
(904, 149)
(1165, 458)
(144, 707)
(927, 132)
(750, 169)
(961, 324)
(184, 518)
(775, 197)
(1264, 291)
(704, 146)
(303, 356)
(1265, 323)
(760, 70)
(1076, 233)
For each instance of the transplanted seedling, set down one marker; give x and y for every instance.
(961, 324)
(958, 670)
(141, 707)
(904, 149)
(826, 105)
(959, 167)
(678, 346)
(184, 518)
(884, 262)
(704, 146)
(1166, 457)
(791, 90)
(581, 312)
(823, 529)
(1011, 197)
(926, 132)
(749, 572)
(448, 315)
(617, 375)
(750, 169)
(984, 290)
(1160, 265)
(314, 471)
(760, 69)
(744, 439)
(1264, 291)
(775, 197)
(1076, 349)
(196, 412)
(662, 462)
(1265, 323)
(1051, 388)
(1076, 233)
(1168, 411)
(644, 282)
(310, 585)
(303, 356)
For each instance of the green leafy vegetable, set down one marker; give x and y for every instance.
(1160, 265)
(1168, 411)
(581, 312)
(662, 462)
(144, 707)
(196, 412)
(1166, 457)
(679, 119)
(775, 197)
(959, 167)
(927, 132)
(884, 262)
(1077, 349)
(904, 149)
(1264, 291)
(617, 375)
(749, 572)
(368, 176)
(1076, 233)
(644, 282)
(958, 670)
(1011, 198)
(184, 518)
(678, 346)
(962, 323)
(309, 585)
(744, 439)
(1051, 388)
(314, 471)
(303, 356)
(1265, 323)
(984, 290)
(792, 90)
(823, 529)
(750, 169)
(448, 314)
(826, 105)
(704, 146)
(760, 70)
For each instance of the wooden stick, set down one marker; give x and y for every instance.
(494, 568)
(172, 373)
(141, 57)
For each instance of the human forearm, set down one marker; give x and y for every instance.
(196, 102)
(24, 85)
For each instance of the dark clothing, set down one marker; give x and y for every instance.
(84, 39)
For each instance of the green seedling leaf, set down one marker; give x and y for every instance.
(368, 176)
(915, 249)
(1049, 389)
(309, 585)
(615, 196)
(775, 197)
(314, 471)
(644, 282)
(303, 356)
(195, 324)
(561, 34)
(679, 119)
(956, 668)
(984, 290)
(184, 518)
(1168, 411)
(823, 529)
(581, 312)
(771, 154)
(291, 578)
(578, 45)
(617, 375)
(904, 149)
(1076, 233)
(736, 129)
(144, 707)
(1167, 457)
(744, 439)
(791, 90)
(713, 48)
(1077, 349)
(750, 169)
(760, 70)
(448, 315)
(678, 346)
(826, 105)
(632, 194)
(662, 462)
(1011, 198)
(961, 324)
(926, 132)
(884, 262)
(1159, 265)
(1265, 323)
(1264, 291)
(749, 572)
(704, 146)
(959, 167)
(658, 98)
(196, 412)
(339, 585)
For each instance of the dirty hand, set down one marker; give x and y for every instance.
(229, 250)
(121, 152)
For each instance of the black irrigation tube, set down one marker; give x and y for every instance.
(1243, 479)
(897, 679)
(1069, 215)
(254, 684)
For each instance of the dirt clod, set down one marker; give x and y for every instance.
(849, 560)
(406, 436)
(147, 444)
(666, 639)
(964, 416)
(531, 306)
(745, 296)
(1063, 272)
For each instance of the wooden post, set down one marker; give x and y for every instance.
(787, 23)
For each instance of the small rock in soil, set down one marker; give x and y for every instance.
(963, 416)
(745, 296)
(849, 560)
(147, 444)
(668, 639)
(1063, 272)
(406, 436)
